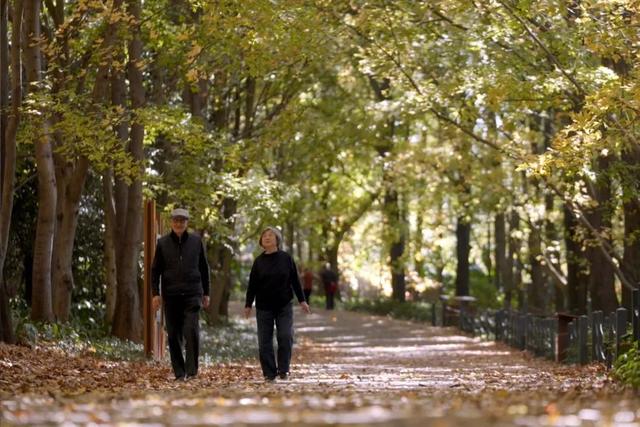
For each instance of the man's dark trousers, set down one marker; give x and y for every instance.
(182, 314)
(283, 320)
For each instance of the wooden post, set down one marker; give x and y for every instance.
(153, 321)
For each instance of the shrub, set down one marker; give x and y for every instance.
(627, 367)
(484, 291)
(418, 311)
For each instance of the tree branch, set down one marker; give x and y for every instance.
(537, 40)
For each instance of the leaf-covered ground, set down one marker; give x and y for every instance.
(348, 368)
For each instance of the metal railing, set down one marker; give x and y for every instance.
(563, 337)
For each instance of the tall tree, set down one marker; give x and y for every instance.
(9, 120)
(41, 308)
(395, 233)
(71, 169)
(127, 318)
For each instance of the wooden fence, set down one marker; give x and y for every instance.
(153, 320)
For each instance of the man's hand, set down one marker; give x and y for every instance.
(247, 312)
(305, 307)
(156, 302)
(205, 301)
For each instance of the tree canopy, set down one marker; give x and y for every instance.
(446, 144)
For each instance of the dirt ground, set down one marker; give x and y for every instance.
(348, 369)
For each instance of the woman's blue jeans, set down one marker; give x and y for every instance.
(282, 319)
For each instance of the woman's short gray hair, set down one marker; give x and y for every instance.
(275, 231)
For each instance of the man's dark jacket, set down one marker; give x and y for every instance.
(182, 264)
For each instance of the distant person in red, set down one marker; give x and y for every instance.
(307, 284)
(330, 281)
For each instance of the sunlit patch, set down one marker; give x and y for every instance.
(305, 329)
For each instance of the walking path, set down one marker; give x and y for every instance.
(356, 369)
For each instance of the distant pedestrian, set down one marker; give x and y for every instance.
(330, 282)
(180, 282)
(272, 283)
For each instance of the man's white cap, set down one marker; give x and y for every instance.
(180, 212)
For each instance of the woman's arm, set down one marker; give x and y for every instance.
(253, 285)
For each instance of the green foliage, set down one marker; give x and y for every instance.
(230, 341)
(418, 311)
(485, 292)
(85, 333)
(80, 128)
(88, 297)
(627, 367)
(318, 299)
(289, 131)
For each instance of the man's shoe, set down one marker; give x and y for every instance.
(182, 378)
(190, 377)
(283, 375)
(269, 379)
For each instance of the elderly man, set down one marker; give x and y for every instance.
(180, 282)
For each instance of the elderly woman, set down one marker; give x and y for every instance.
(272, 283)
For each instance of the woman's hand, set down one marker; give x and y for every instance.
(305, 307)
(247, 312)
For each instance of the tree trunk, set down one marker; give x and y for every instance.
(552, 239)
(631, 207)
(537, 290)
(513, 269)
(287, 235)
(331, 257)
(230, 209)
(500, 250)
(8, 129)
(41, 308)
(397, 225)
(577, 276)
(463, 248)
(222, 275)
(418, 259)
(311, 254)
(117, 97)
(71, 183)
(552, 257)
(601, 273)
(227, 259)
(71, 173)
(115, 196)
(394, 220)
(128, 316)
(62, 260)
(218, 284)
(109, 247)
(4, 82)
(299, 245)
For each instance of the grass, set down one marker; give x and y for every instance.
(232, 340)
